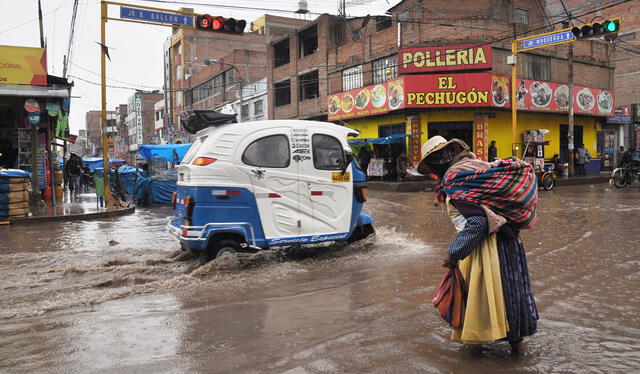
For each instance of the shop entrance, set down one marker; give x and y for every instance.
(462, 130)
(394, 154)
(564, 141)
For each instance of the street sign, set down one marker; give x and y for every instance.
(156, 16)
(545, 40)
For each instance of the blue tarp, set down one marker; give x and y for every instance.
(14, 173)
(170, 152)
(4, 188)
(128, 177)
(386, 140)
(162, 190)
(96, 162)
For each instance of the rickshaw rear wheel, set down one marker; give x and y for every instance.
(221, 247)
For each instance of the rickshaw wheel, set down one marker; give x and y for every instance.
(225, 246)
(547, 181)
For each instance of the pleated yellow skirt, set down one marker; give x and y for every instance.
(486, 316)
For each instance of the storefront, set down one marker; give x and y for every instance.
(474, 107)
(33, 114)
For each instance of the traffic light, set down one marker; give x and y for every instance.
(607, 28)
(220, 24)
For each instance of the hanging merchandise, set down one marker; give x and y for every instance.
(66, 105)
(33, 118)
(53, 109)
(31, 106)
(62, 126)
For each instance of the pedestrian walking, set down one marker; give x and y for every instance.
(583, 157)
(493, 151)
(74, 172)
(489, 204)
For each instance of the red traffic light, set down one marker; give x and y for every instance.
(218, 23)
(231, 25)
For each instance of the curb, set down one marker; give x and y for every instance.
(427, 186)
(72, 217)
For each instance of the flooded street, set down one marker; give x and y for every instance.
(116, 295)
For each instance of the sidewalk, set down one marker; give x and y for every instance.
(82, 208)
(411, 186)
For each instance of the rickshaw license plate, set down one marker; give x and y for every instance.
(338, 177)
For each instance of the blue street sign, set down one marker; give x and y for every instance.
(156, 16)
(540, 41)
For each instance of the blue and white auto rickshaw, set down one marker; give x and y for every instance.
(257, 185)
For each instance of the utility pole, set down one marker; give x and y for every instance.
(34, 129)
(570, 138)
(103, 117)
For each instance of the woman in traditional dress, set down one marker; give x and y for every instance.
(488, 203)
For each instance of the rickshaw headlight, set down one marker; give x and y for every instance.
(204, 161)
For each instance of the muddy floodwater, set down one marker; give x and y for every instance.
(117, 296)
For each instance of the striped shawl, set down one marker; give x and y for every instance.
(508, 187)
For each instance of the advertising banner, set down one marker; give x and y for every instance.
(366, 101)
(480, 135)
(23, 65)
(456, 90)
(554, 97)
(445, 58)
(471, 90)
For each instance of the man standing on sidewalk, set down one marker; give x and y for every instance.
(74, 171)
(582, 157)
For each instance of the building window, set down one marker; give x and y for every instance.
(218, 84)
(206, 89)
(539, 67)
(352, 78)
(308, 86)
(268, 152)
(178, 72)
(258, 108)
(308, 41)
(229, 80)
(327, 152)
(281, 53)
(382, 23)
(384, 69)
(245, 111)
(283, 92)
(521, 16)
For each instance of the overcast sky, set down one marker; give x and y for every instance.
(136, 54)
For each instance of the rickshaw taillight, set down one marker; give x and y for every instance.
(204, 161)
(364, 194)
(174, 197)
(189, 204)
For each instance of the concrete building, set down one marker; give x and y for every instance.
(160, 128)
(140, 120)
(93, 121)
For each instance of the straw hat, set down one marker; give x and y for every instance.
(434, 144)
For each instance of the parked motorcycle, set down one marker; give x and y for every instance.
(623, 176)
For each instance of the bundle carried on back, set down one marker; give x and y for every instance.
(509, 188)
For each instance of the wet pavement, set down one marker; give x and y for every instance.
(111, 296)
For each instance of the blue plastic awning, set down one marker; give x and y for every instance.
(170, 152)
(96, 162)
(386, 140)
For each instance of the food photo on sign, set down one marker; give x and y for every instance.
(500, 91)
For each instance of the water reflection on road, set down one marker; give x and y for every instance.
(107, 296)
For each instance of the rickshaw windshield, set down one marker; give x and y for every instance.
(193, 150)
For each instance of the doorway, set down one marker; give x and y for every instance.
(564, 141)
(462, 130)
